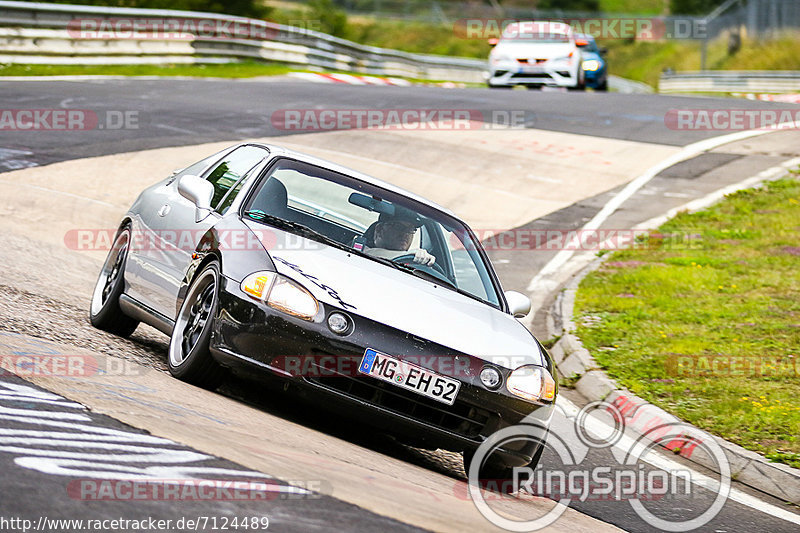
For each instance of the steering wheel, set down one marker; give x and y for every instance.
(434, 270)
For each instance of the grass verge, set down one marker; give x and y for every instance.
(645, 60)
(245, 69)
(706, 323)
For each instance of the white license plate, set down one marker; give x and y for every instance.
(409, 376)
(531, 70)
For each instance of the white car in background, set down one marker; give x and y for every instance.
(537, 54)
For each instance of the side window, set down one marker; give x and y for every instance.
(196, 169)
(223, 207)
(234, 166)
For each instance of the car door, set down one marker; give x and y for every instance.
(177, 227)
(144, 247)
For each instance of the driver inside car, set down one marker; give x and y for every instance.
(393, 238)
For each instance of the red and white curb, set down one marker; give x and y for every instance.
(351, 79)
(782, 98)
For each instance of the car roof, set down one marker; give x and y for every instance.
(329, 165)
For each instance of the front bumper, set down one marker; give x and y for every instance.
(505, 75)
(595, 78)
(252, 338)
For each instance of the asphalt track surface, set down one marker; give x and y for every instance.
(182, 112)
(35, 422)
(179, 112)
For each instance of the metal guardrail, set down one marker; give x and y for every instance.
(730, 81)
(31, 32)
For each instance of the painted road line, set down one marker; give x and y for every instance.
(538, 283)
(711, 198)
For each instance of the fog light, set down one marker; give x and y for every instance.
(490, 377)
(338, 323)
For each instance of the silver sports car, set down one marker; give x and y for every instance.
(357, 295)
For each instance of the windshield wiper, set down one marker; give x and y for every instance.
(431, 277)
(411, 269)
(296, 228)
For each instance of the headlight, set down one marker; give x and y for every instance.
(281, 293)
(565, 59)
(591, 64)
(533, 383)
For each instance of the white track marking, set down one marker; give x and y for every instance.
(560, 259)
(173, 128)
(63, 193)
(711, 198)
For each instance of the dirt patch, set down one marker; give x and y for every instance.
(625, 264)
(791, 250)
(46, 318)
(774, 442)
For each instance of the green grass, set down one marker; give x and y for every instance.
(635, 7)
(246, 69)
(418, 38)
(228, 70)
(732, 288)
(645, 60)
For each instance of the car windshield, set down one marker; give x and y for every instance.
(374, 222)
(591, 46)
(532, 33)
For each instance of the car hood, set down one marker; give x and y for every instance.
(403, 301)
(520, 50)
(592, 55)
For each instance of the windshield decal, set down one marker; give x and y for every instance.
(315, 280)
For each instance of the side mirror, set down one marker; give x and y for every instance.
(581, 43)
(518, 304)
(493, 41)
(199, 192)
(602, 51)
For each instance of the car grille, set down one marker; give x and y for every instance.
(460, 418)
(532, 76)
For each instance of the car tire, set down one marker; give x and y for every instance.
(496, 470)
(603, 86)
(499, 86)
(580, 84)
(104, 310)
(189, 357)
